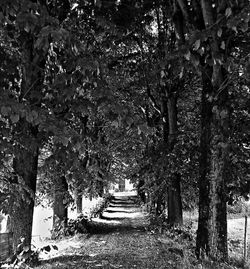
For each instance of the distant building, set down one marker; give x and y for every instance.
(122, 185)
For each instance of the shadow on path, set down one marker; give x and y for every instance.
(122, 215)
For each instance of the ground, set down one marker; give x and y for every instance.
(122, 238)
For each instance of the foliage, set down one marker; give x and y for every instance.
(25, 257)
(100, 206)
(86, 83)
(82, 224)
(74, 226)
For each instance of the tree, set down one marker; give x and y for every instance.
(210, 40)
(109, 89)
(28, 25)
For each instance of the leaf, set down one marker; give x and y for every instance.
(38, 43)
(219, 32)
(115, 124)
(27, 27)
(244, 27)
(34, 114)
(223, 114)
(223, 45)
(162, 74)
(98, 3)
(55, 247)
(187, 55)
(235, 29)
(195, 60)
(139, 130)
(64, 141)
(29, 117)
(162, 83)
(5, 110)
(197, 44)
(201, 51)
(181, 73)
(26, 249)
(223, 145)
(228, 12)
(14, 118)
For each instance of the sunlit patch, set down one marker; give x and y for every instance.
(104, 221)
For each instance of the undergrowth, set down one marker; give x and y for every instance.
(82, 224)
(25, 257)
(182, 242)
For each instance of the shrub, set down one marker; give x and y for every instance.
(25, 257)
(237, 208)
(98, 209)
(82, 224)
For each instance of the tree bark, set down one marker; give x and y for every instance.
(78, 201)
(214, 144)
(78, 186)
(25, 166)
(141, 191)
(174, 190)
(60, 210)
(25, 132)
(212, 224)
(204, 180)
(160, 204)
(174, 202)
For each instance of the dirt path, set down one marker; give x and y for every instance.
(121, 240)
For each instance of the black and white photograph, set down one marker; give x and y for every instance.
(125, 134)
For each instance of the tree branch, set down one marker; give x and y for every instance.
(207, 12)
(184, 8)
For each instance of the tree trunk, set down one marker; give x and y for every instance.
(25, 166)
(160, 204)
(204, 180)
(78, 185)
(174, 202)
(60, 216)
(174, 190)
(172, 121)
(141, 191)
(78, 201)
(212, 223)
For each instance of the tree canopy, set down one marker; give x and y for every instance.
(153, 91)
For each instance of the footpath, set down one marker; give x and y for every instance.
(121, 239)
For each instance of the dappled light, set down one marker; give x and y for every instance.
(122, 214)
(119, 239)
(124, 134)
